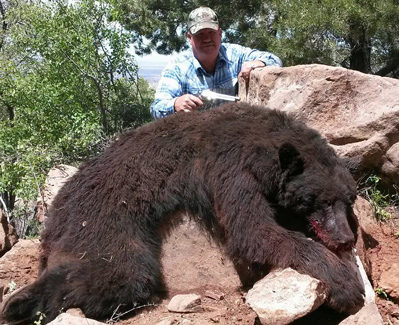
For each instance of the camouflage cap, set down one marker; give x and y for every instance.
(202, 17)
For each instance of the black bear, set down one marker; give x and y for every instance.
(258, 180)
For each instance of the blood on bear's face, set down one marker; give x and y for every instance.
(332, 225)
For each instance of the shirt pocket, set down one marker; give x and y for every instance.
(194, 87)
(227, 87)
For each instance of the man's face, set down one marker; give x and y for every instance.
(206, 43)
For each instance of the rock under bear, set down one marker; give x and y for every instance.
(258, 180)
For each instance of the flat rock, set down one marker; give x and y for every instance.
(189, 303)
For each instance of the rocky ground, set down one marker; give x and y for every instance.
(383, 257)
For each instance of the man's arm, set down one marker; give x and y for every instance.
(248, 66)
(169, 97)
(253, 59)
(269, 59)
(167, 91)
(187, 103)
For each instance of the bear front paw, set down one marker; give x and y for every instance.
(346, 292)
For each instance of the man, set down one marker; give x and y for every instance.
(211, 65)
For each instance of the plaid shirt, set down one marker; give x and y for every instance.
(185, 75)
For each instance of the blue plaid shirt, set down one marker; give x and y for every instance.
(185, 75)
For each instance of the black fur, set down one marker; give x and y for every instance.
(257, 180)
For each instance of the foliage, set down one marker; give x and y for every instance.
(378, 199)
(382, 293)
(40, 319)
(67, 82)
(25, 220)
(358, 34)
(12, 286)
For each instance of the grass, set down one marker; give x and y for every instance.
(380, 198)
(12, 286)
(40, 319)
(382, 293)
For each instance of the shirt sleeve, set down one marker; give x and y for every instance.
(267, 58)
(168, 90)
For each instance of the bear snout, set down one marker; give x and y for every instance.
(336, 233)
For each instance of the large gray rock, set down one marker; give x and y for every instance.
(357, 113)
(283, 296)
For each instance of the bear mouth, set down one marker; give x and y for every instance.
(317, 234)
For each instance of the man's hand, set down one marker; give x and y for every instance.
(187, 103)
(248, 66)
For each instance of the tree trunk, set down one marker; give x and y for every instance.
(360, 54)
(9, 200)
(4, 23)
(389, 68)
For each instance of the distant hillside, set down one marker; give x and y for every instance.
(151, 74)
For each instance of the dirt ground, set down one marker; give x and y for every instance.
(223, 301)
(383, 253)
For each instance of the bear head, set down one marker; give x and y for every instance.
(316, 195)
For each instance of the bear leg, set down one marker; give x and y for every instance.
(253, 235)
(97, 285)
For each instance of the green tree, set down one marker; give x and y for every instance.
(357, 34)
(67, 81)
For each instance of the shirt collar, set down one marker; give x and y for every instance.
(222, 54)
(221, 58)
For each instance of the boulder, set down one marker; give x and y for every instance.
(8, 235)
(358, 113)
(3, 289)
(55, 179)
(365, 215)
(20, 264)
(283, 296)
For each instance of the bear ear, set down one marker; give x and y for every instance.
(290, 159)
